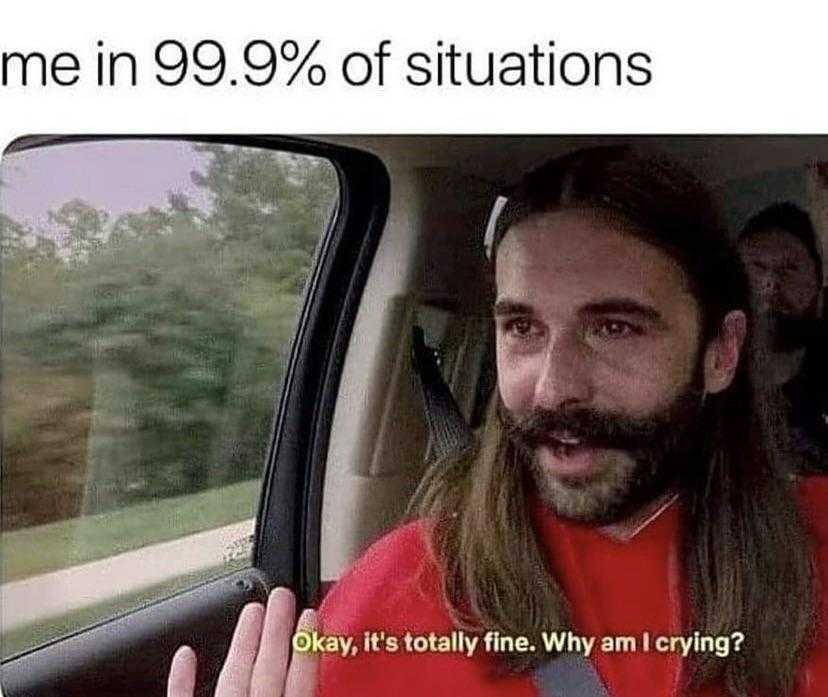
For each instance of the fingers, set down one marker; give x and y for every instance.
(271, 664)
(257, 661)
(181, 681)
(237, 672)
(301, 679)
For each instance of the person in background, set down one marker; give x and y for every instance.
(781, 253)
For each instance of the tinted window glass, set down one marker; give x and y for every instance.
(150, 294)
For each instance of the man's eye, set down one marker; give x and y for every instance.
(519, 327)
(614, 329)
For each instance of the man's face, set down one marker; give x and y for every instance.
(782, 273)
(597, 356)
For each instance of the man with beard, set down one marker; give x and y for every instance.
(780, 251)
(622, 485)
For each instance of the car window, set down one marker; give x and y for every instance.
(150, 295)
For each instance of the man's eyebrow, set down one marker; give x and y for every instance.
(623, 306)
(505, 308)
(609, 306)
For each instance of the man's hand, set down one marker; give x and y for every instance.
(257, 661)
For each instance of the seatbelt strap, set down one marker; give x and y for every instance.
(567, 675)
(449, 431)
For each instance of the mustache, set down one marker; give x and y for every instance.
(804, 326)
(598, 428)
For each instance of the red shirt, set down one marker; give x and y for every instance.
(614, 588)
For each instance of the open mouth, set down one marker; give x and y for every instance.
(565, 444)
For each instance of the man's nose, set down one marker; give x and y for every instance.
(565, 375)
(767, 285)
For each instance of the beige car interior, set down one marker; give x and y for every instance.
(430, 270)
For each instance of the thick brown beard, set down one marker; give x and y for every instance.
(651, 456)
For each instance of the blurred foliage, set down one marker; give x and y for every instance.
(176, 319)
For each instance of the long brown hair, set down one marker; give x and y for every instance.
(746, 550)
